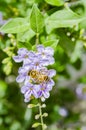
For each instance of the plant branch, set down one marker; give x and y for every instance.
(41, 117)
(37, 38)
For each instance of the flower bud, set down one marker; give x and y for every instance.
(45, 114)
(43, 105)
(37, 116)
(31, 105)
(42, 99)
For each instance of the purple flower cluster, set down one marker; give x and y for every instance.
(36, 78)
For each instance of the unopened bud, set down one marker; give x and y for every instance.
(37, 116)
(12, 40)
(45, 126)
(68, 33)
(14, 43)
(73, 39)
(44, 105)
(42, 99)
(9, 35)
(31, 105)
(45, 114)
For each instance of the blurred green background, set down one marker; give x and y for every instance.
(67, 104)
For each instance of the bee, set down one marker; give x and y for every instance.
(42, 78)
(38, 77)
(33, 73)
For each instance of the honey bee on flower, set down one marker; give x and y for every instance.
(36, 78)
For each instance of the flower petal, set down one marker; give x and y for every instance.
(51, 82)
(31, 55)
(27, 81)
(22, 51)
(49, 51)
(26, 99)
(20, 78)
(51, 60)
(24, 89)
(17, 59)
(51, 72)
(35, 94)
(37, 88)
(46, 94)
(40, 48)
(28, 94)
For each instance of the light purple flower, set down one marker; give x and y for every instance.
(46, 54)
(45, 88)
(44, 91)
(45, 51)
(81, 91)
(51, 73)
(32, 90)
(36, 78)
(24, 56)
(42, 71)
(63, 111)
(24, 73)
(37, 60)
(29, 91)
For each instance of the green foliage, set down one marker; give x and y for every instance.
(36, 20)
(62, 18)
(25, 36)
(52, 43)
(62, 26)
(55, 2)
(16, 25)
(3, 88)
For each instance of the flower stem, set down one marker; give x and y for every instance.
(37, 38)
(41, 117)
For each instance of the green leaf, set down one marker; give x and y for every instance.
(51, 43)
(7, 68)
(83, 24)
(36, 125)
(77, 51)
(24, 45)
(3, 88)
(55, 2)
(65, 42)
(36, 20)
(62, 18)
(15, 125)
(6, 60)
(16, 25)
(25, 36)
(28, 114)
